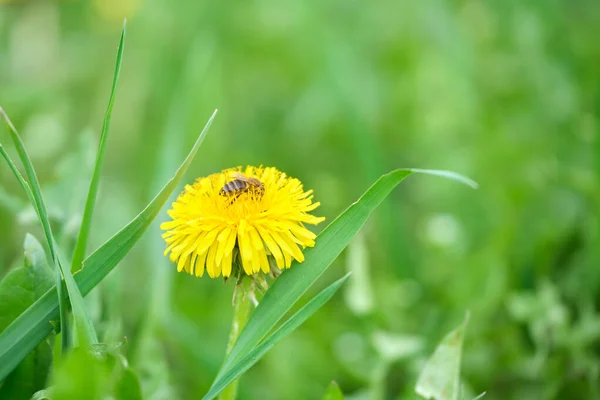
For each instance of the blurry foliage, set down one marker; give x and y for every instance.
(333, 392)
(335, 93)
(440, 377)
(19, 289)
(83, 375)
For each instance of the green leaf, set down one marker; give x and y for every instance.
(82, 375)
(86, 222)
(231, 374)
(18, 290)
(293, 283)
(333, 392)
(128, 386)
(86, 333)
(33, 190)
(44, 394)
(34, 324)
(440, 379)
(22, 286)
(99, 374)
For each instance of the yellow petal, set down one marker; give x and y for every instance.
(226, 264)
(287, 237)
(222, 241)
(200, 263)
(272, 246)
(257, 243)
(207, 240)
(230, 243)
(264, 262)
(181, 263)
(288, 259)
(255, 261)
(213, 269)
(246, 252)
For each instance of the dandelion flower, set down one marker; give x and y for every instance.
(240, 217)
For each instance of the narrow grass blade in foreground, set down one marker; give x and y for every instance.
(83, 323)
(63, 309)
(285, 329)
(62, 305)
(86, 220)
(293, 283)
(34, 324)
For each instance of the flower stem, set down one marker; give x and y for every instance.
(242, 306)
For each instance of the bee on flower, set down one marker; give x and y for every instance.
(240, 222)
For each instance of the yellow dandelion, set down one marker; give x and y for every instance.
(242, 218)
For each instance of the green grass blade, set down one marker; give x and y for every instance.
(287, 289)
(83, 323)
(86, 221)
(103, 260)
(34, 185)
(447, 174)
(18, 175)
(37, 203)
(34, 325)
(285, 329)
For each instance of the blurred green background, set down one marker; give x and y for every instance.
(335, 93)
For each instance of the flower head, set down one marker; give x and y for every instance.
(247, 215)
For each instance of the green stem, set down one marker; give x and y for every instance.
(242, 307)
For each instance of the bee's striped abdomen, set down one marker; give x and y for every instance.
(234, 186)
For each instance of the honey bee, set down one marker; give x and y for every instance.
(241, 184)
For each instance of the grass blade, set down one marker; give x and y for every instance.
(86, 221)
(293, 283)
(34, 325)
(86, 332)
(34, 194)
(285, 329)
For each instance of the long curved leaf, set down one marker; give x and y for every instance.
(35, 324)
(32, 188)
(293, 283)
(285, 329)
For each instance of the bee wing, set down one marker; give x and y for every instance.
(239, 176)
